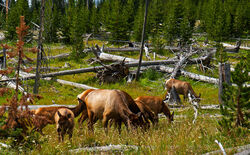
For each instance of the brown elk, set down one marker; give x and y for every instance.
(181, 87)
(156, 105)
(108, 104)
(64, 119)
(147, 113)
(81, 99)
(133, 107)
(48, 113)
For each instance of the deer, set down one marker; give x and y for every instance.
(64, 119)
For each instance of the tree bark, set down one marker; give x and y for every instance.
(40, 49)
(142, 41)
(4, 58)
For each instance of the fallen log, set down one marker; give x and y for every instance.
(108, 148)
(187, 74)
(237, 149)
(11, 84)
(59, 56)
(77, 85)
(183, 59)
(94, 69)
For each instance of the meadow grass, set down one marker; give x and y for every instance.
(179, 137)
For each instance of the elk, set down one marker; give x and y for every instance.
(133, 107)
(47, 114)
(181, 87)
(64, 119)
(147, 113)
(156, 104)
(81, 98)
(108, 104)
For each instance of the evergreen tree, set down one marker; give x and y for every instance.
(20, 8)
(66, 22)
(173, 22)
(52, 24)
(94, 20)
(116, 23)
(138, 23)
(79, 27)
(235, 109)
(240, 20)
(129, 11)
(35, 11)
(2, 15)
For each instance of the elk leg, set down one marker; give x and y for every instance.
(105, 120)
(83, 117)
(70, 132)
(91, 121)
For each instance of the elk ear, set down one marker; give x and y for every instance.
(68, 116)
(59, 114)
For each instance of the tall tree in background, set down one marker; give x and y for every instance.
(116, 23)
(20, 8)
(52, 24)
(66, 21)
(79, 27)
(173, 21)
(94, 20)
(139, 22)
(155, 24)
(2, 15)
(35, 7)
(241, 19)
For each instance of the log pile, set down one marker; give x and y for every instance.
(112, 73)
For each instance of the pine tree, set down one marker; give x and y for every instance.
(52, 24)
(2, 15)
(80, 25)
(116, 23)
(173, 22)
(240, 20)
(138, 23)
(35, 11)
(11, 23)
(94, 20)
(20, 8)
(235, 109)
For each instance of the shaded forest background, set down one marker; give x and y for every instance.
(168, 20)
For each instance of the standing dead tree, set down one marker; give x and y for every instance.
(40, 47)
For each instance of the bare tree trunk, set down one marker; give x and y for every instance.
(40, 49)
(224, 76)
(7, 9)
(4, 58)
(142, 40)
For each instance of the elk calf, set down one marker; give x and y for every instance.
(64, 119)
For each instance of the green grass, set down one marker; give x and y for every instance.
(180, 137)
